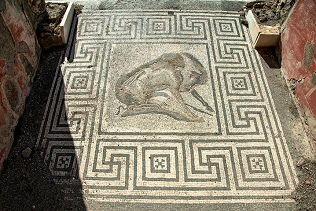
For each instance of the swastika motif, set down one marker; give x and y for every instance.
(256, 164)
(239, 83)
(235, 153)
(160, 163)
(63, 162)
(158, 26)
(226, 27)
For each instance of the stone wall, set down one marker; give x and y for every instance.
(299, 57)
(19, 58)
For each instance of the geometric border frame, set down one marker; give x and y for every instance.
(227, 50)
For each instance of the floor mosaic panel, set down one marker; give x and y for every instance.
(166, 107)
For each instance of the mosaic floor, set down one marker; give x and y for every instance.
(166, 107)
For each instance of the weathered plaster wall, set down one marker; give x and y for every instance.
(299, 57)
(19, 57)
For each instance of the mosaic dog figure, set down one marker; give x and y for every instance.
(156, 87)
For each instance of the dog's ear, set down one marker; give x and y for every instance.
(174, 59)
(199, 69)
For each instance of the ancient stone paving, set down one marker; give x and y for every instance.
(166, 107)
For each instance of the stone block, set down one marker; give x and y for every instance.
(55, 29)
(65, 24)
(262, 36)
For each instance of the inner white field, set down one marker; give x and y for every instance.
(125, 58)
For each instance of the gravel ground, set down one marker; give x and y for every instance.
(305, 194)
